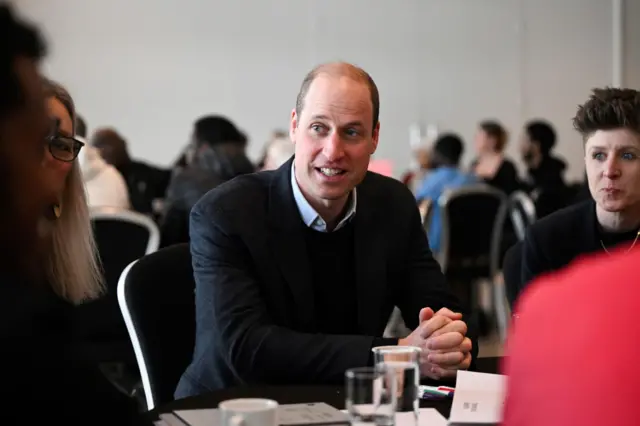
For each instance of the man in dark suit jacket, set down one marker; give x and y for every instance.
(297, 270)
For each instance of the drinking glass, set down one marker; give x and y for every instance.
(405, 361)
(371, 395)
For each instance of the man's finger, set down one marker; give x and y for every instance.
(454, 326)
(425, 315)
(446, 359)
(446, 342)
(466, 345)
(449, 314)
(428, 327)
(440, 372)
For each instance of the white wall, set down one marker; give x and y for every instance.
(631, 69)
(150, 67)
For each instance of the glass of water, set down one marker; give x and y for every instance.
(371, 395)
(405, 361)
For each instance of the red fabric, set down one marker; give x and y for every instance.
(573, 357)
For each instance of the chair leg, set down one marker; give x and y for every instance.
(501, 306)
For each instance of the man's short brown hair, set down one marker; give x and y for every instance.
(607, 109)
(341, 69)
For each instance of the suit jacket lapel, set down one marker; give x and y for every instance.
(286, 238)
(370, 263)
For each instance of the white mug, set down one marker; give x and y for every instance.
(248, 412)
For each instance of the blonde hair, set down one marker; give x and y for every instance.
(72, 264)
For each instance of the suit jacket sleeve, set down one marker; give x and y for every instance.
(229, 304)
(533, 261)
(426, 286)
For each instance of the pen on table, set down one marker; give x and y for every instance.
(430, 390)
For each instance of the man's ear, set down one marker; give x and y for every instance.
(374, 138)
(293, 126)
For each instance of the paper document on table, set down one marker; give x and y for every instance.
(315, 413)
(427, 417)
(479, 398)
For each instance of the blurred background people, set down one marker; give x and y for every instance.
(414, 177)
(145, 183)
(105, 186)
(445, 174)
(545, 172)
(491, 164)
(278, 152)
(218, 155)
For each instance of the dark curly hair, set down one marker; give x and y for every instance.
(607, 109)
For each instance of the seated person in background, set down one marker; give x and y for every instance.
(145, 183)
(218, 156)
(105, 186)
(491, 165)
(413, 178)
(609, 123)
(37, 367)
(278, 152)
(545, 178)
(445, 174)
(563, 323)
(275, 135)
(545, 172)
(297, 270)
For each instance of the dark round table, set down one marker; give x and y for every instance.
(332, 395)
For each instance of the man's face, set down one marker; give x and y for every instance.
(334, 138)
(22, 151)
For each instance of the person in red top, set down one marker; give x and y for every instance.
(573, 356)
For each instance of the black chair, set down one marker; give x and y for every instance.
(121, 237)
(156, 296)
(469, 234)
(522, 211)
(512, 272)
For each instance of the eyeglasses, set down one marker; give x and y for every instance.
(64, 148)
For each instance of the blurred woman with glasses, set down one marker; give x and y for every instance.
(71, 265)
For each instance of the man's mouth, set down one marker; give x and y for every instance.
(330, 171)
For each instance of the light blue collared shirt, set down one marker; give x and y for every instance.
(310, 216)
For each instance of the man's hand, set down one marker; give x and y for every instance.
(441, 336)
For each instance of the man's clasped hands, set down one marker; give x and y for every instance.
(442, 338)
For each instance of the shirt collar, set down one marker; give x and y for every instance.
(310, 216)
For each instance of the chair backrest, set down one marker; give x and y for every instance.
(469, 217)
(122, 236)
(157, 299)
(522, 211)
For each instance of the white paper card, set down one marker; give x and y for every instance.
(479, 398)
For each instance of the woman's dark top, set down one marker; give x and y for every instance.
(556, 240)
(43, 378)
(505, 179)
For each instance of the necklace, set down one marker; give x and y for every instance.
(635, 240)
